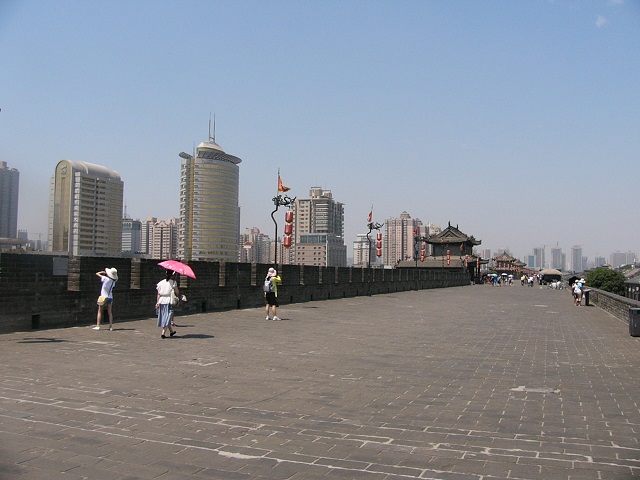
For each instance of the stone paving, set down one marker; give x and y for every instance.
(472, 382)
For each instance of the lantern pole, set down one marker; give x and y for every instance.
(417, 238)
(279, 201)
(372, 226)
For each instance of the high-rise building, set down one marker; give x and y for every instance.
(85, 209)
(558, 259)
(364, 250)
(318, 230)
(131, 235)
(540, 260)
(531, 261)
(146, 234)
(164, 239)
(9, 183)
(576, 258)
(255, 247)
(398, 239)
(209, 209)
(159, 238)
(617, 259)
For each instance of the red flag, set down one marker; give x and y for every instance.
(370, 217)
(281, 187)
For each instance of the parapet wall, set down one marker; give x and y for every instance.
(49, 291)
(616, 305)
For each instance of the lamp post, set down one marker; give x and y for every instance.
(417, 238)
(372, 226)
(279, 201)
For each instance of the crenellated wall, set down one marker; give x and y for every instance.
(47, 291)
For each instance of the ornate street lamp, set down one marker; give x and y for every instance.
(279, 201)
(372, 226)
(417, 238)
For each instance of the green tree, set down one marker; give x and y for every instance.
(607, 280)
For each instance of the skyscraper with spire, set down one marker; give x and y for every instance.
(209, 204)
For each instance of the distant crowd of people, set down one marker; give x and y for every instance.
(496, 280)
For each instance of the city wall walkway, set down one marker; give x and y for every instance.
(473, 382)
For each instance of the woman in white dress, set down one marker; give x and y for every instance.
(163, 303)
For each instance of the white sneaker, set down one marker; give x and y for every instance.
(96, 328)
(276, 318)
(111, 329)
(268, 318)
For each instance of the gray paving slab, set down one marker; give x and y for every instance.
(473, 382)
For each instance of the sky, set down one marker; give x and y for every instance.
(517, 121)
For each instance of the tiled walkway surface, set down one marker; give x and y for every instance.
(473, 382)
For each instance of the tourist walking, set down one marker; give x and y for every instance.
(108, 278)
(270, 289)
(577, 292)
(164, 305)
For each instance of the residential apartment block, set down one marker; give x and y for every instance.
(85, 209)
(159, 238)
(318, 230)
(399, 238)
(255, 247)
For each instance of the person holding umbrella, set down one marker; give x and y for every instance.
(176, 266)
(164, 306)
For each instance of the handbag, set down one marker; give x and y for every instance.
(174, 298)
(102, 300)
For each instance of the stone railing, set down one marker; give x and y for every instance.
(616, 305)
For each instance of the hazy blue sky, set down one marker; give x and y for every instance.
(518, 121)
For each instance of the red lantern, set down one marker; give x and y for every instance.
(423, 252)
(448, 257)
(379, 245)
(288, 228)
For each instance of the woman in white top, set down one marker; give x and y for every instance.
(108, 277)
(163, 302)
